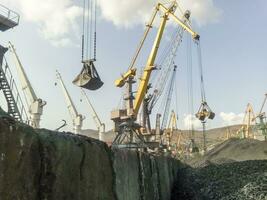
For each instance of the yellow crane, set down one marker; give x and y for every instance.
(125, 119)
(248, 120)
(171, 128)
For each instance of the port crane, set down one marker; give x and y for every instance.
(260, 119)
(128, 130)
(100, 126)
(170, 129)
(248, 120)
(34, 103)
(77, 119)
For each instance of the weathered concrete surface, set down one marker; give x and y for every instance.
(126, 171)
(46, 165)
(19, 162)
(74, 167)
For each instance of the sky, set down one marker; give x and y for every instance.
(232, 42)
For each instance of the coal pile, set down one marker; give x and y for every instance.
(235, 169)
(245, 180)
(233, 150)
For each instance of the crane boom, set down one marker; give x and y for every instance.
(263, 104)
(35, 104)
(168, 100)
(100, 126)
(142, 88)
(77, 119)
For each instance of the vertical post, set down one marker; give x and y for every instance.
(129, 96)
(204, 136)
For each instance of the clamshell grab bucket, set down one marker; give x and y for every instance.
(88, 77)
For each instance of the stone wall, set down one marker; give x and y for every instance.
(42, 164)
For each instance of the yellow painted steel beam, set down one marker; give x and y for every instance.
(149, 67)
(121, 81)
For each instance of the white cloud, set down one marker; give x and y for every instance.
(190, 120)
(56, 19)
(127, 13)
(232, 118)
(203, 11)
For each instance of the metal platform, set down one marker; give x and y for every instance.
(8, 18)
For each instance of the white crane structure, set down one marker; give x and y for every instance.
(100, 126)
(35, 104)
(77, 119)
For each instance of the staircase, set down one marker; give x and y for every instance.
(15, 105)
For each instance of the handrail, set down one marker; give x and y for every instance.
(9, 14)
(15, 92)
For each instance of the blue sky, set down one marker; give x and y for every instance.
(233, 52)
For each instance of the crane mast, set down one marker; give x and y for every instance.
(77, 119)
(100, 126)
(35, 104)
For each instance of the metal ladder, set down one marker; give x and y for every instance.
(15, 105)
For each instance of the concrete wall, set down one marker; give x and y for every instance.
(41, 164)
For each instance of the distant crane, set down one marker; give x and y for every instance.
(100, 126)
(35, 104)
(168, 99)
(261, 116)
(77, 119)
(247, 122)
(169, 131)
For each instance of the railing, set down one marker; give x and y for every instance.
(9, 14)
(15, 92)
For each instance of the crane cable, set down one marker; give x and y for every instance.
(190, 86)
(166, 64)
(83, 30)
(202, 86)
(176, 100)
(89, 29)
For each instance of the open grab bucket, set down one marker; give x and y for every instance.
(88, 77)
